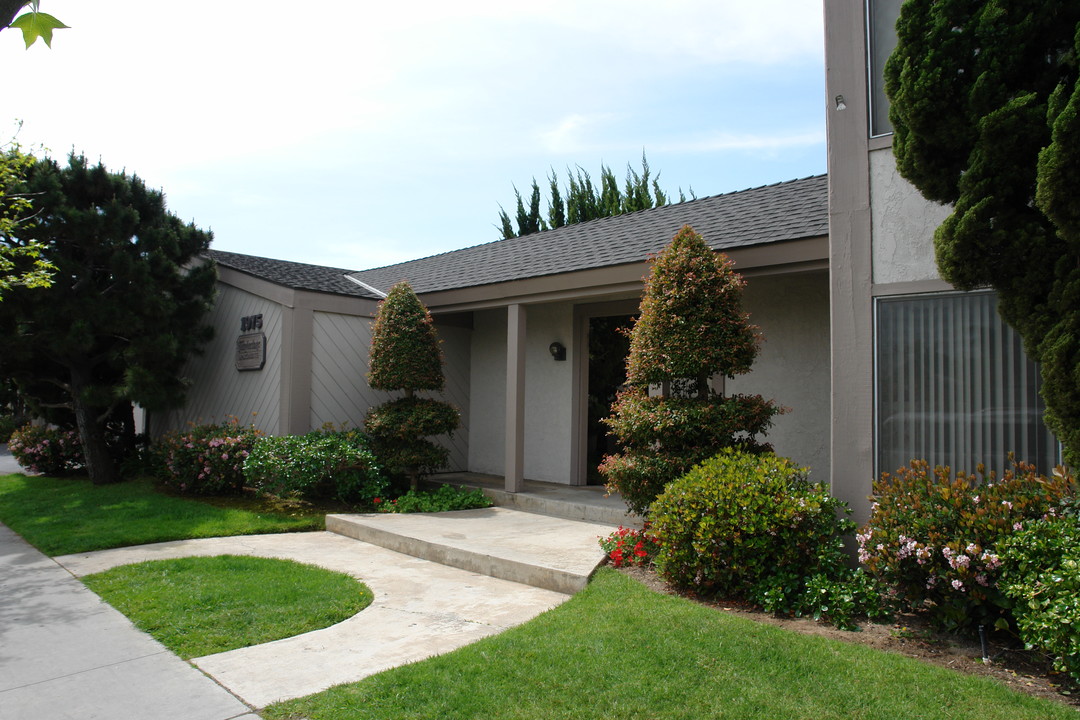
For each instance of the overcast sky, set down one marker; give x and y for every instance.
(357, 134)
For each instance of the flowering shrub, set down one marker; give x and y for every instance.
(320, 464)
(744, 525)
(627, 546)
(936, 538)
(442, 499)
(1040, 573)
(47, 450)
(841, 599)
(206, 459)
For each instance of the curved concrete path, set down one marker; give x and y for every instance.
(420, 609)
(64, 653)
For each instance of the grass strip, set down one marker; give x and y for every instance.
(60, 516)
(203, 605)
(619, 650)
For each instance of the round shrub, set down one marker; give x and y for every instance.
(206, 459)
(47, 450)
(743, 525)
(1040, 573)
(320, 464)
(936, 537)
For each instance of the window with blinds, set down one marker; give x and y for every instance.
(954, 386)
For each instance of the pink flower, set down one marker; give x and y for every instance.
(1017, 526)
(958, 585)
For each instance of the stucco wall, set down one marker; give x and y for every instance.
(793, 365)
(218, 389)
(487, 402)
(340, 393)
(902, 224)
(548, 393)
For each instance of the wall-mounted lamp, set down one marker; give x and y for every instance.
(840, 104)
(557, 350)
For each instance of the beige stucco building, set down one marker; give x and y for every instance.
(878, 360)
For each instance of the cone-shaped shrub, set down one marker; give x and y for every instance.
(691, 328)
(405, 356)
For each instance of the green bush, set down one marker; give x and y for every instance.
(320, 464)
(442, 499)
(749, 526)
(1040, 573)
(936, 538)
(47, 450)
(843, 598)
(206, 459)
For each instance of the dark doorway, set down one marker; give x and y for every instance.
(608, 347)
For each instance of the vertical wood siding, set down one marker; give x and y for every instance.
(339, 365)
(218, 389)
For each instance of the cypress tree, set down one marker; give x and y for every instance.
(126, 309)
(556, 207)
(691, 328)
(405, 357)
(984, 101)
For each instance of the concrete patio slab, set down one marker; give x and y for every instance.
(539, 550)
(420, 609)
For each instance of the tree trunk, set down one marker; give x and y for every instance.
(99, 463)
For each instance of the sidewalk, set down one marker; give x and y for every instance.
(66, 654)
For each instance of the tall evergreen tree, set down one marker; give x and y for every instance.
(984, 103)
(584, 201)
(405, 357)
(126, 309)
(691, 328)
(21, 264)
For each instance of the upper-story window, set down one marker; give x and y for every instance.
(881, 18)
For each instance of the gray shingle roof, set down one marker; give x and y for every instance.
(292, 274)
(790, 210)
(773, 213)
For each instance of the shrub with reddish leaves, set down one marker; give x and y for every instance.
(936, 537)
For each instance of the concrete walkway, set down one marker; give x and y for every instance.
(66, 654)
(421, 609)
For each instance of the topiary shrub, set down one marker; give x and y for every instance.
(1040, 574)
(47, 450)
(206, 459)
(320, 464)
(691, 328)
(405, 356)
(936, 537)
(745, 525)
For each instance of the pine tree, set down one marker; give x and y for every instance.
(984, 104)
(126, 309)
(691, 328)
(405, 356)
(556, 207)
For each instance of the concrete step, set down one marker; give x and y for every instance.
(537, 550)
(590, 503)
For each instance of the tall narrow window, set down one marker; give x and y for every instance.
(954, 386)
(881, 18)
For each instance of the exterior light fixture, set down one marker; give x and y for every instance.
(840, 104)
(557, 350)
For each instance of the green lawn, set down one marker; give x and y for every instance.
(619, 650)
(201, 605)
(69, 515)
